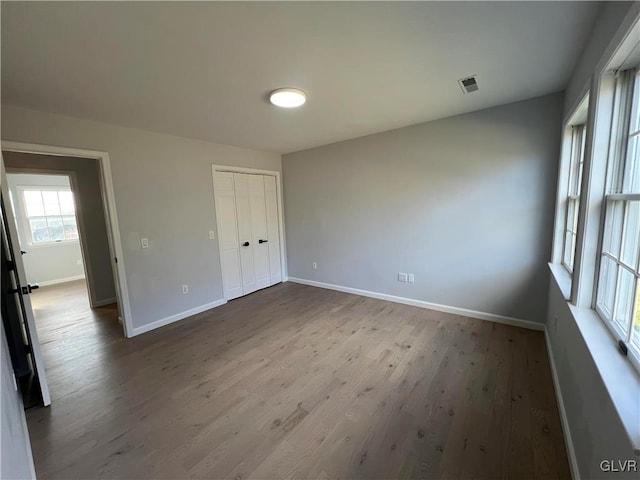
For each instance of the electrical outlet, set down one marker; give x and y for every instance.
(185, 289)
(402, 277)
(79, 262)
(412, 278)
(144, 242)
(315, 265)
(212, 235)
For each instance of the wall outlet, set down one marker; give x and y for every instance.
(315, 265)
(79, 262)
(185, 289)
(412, 278)
(212, 235)
(402, 277)
(144, 242)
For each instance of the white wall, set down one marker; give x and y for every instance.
(51, 263)
(164, 192)
(465, 203)
(16, 461)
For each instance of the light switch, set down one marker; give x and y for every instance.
(144, 242)
(212, 235)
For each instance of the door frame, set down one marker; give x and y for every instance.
(111, 216)
(254, 171)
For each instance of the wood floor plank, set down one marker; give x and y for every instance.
(293, 382)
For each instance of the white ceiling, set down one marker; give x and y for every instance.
(203, 70)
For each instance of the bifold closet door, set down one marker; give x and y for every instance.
(249, 233)
(273, 230)
(245, 232)
(260, 235)
(225, 196)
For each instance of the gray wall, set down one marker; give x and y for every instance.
(465, 203)
(90, 212)
(15, 451)
(49, 263)
(164, 192)
(595, 426)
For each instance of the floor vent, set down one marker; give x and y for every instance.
(468, 84)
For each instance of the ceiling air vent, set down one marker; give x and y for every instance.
(468, 84)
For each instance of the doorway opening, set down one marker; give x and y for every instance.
(59, 225)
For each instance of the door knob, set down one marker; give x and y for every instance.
(245, 244)
(262, 241)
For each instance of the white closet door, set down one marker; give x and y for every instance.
(245, 234)
(273, 231)
(259, 229)
(228, 234)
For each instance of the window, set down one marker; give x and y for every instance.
(618, 291)
(576, 158)
(50, 215)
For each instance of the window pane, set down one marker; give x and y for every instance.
(568, 242)
(33, 203)
(631, 236)
(70, 228)
(624, 299)
(39, 229)
(606, 286)
(67, 206)
(613, 227)
(632, 167)
(56, 228)
(635, 331)
(51, 204)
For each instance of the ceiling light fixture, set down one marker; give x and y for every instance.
(288, 97)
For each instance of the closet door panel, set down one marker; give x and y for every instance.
(273, 230)
(228, 234)
(245, 235)
(259, 228)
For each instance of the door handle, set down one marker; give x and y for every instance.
(245, 244)
(262, 241)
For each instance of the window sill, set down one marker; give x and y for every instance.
(52, 244)
(620, 379)
(563, 279)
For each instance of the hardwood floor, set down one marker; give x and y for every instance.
(299, 382)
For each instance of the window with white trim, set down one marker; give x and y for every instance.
(576, 161)
(618, 290)
(50, 215)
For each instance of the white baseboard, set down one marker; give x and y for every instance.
(517, 322)
(61, 280)
(571, 453)
(106, 301)
(176, 317)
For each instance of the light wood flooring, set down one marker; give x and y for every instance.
(295, 382)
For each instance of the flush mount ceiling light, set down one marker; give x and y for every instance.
(288, 97)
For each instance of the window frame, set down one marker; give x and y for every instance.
(577, 142)
(618, 161)
(24, 217)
